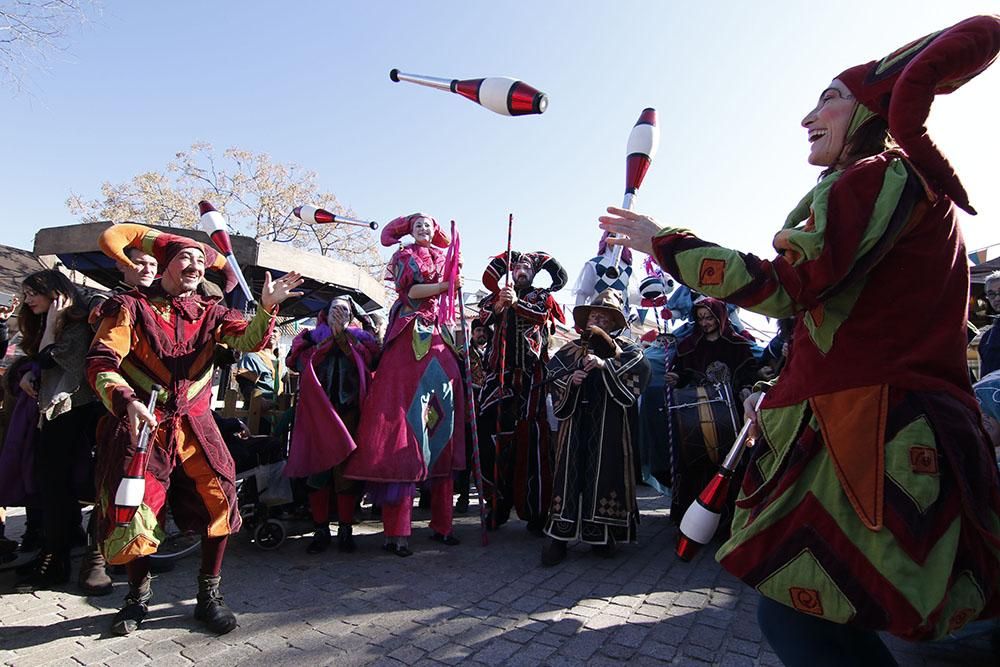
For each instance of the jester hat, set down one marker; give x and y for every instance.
(402, 226)
(116, 239)
(539, 260)
(900, 88)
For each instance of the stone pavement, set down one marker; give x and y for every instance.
(444, 605)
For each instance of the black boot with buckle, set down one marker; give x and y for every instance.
(211, 609)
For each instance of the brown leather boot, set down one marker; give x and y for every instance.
(94, 579)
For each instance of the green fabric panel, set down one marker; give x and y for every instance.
(144, 523)
(735, 274)
(804, 571)
(965, 601)
(922, 488)
(836, 310)
(809, 244)
(801, 210)
(137, 378)
(923, 586)
(885, 205)
(422, 337)
(781, 426)
(253, 335)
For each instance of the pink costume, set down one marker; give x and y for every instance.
(413, 423)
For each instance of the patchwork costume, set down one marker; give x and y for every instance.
(413, 423)
(148, 337)
(593, 494)
(335, 371)
(872, 498)
(514, 445)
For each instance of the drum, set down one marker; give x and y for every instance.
(704, 425)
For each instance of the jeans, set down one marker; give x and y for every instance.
(803, 640)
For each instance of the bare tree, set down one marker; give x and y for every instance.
(255, 194)
(30, 31)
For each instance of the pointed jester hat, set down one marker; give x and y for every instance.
(900, 88)
(403, 226)
(116, 239)
(539, 261)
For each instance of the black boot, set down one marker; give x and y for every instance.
(554, 552)
(211, 610)
(321, 539)
(345, 538)
(130, 617)
(462, 504)
(49, 570)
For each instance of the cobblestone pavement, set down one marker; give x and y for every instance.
(444, 605)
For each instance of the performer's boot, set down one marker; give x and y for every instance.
(462, 504)
(554, 552)
(211, 610)
(345, 538)
(321, 539)
(130, 617)
(94, 579)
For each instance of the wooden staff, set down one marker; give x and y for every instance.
(503, 368)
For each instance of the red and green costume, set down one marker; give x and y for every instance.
(873, 497)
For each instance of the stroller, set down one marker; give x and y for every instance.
(271, 505)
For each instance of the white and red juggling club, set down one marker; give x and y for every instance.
(214, 225)
(643, 141)
(701, 519)
(132, 488)
(499, 94)
(323, 217)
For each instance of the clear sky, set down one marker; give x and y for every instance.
(307, 82)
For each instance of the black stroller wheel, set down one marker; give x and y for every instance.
(269, 535)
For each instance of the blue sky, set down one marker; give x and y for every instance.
(307, 82)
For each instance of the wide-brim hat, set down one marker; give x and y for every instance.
(608, 301)
(901, 87)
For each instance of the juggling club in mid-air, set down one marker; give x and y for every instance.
(132, 488)
(323, 217)
(213, 224)
(701, 519)
(499, 94)
(643, 141)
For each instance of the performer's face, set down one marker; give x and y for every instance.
(479, 336)
(706, 320)
(598, 318)
(339, 313)
(423, 230)
(827, 124)
(523, 274)
(143, 275)
(184, 272)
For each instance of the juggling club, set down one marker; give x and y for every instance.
(701, 519)
(499, 94)
(132, 488)
(643, 142)
(214, 225)
(323, 217)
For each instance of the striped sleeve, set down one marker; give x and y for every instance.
(111, 345)
(243, 335)
(835, 236)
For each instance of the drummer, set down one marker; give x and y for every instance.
(714, 352)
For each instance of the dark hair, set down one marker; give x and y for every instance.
(51, 283)
(868, 140)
